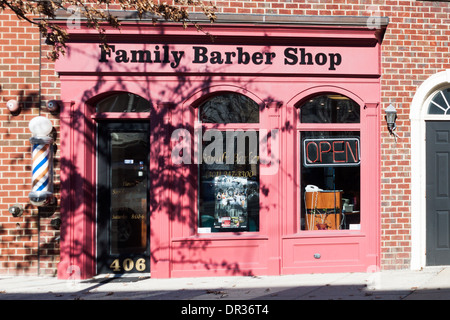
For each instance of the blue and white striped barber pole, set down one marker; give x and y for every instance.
(42, 167)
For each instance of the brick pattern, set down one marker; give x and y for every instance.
(28, 243)
(415, 46)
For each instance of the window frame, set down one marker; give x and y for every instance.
(428, 103)
(319, 127)
(118, 95)
(115, 115)
(223, 127)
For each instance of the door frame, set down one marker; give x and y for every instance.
(418, 117)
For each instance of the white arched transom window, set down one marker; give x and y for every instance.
(440, 102)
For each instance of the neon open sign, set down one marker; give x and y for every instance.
(331, 152)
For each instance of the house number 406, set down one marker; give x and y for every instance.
(128, 265)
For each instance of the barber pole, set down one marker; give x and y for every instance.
(40, 167)
(42, 156)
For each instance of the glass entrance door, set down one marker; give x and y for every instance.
(123, 197)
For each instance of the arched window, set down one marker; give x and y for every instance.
(229, 108)
(330, 108)
(440, 102)
(228, 196)
(123, 102)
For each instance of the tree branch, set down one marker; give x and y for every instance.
(98, 14)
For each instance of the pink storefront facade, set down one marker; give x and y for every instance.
(136, 126)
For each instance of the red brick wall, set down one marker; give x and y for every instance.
(27, 243)
(415, 46)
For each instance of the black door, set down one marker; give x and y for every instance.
(438, 193)
(123, 197)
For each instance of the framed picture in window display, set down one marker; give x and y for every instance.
(229, 181)
(229, 192)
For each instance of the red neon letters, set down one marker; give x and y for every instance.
(329, 152)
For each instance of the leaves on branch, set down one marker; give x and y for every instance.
(97, 14)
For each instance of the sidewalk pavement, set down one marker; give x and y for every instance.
(432, 283)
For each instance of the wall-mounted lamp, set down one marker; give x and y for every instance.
(56, 223)
(391, 117)
(42, 168)
(16, 210)
(13, 106)
(53, 105)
